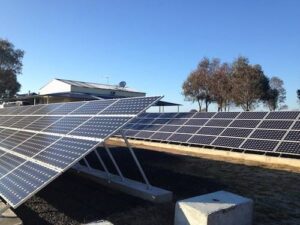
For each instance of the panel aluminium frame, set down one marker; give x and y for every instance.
(99, 141)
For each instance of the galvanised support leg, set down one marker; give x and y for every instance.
(114, 162)
(137, 162)
(103, 164)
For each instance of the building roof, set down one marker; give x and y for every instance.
(96, 85)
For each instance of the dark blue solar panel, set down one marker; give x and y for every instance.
(252, 115)
(100, 127)
(177, 121)
(152, 127)
(196, 122)
(179, 138)
(15, 139)
(43, 122)
(293, 136)
(46, 109)
(268, 134)
(188, 129)
(66, 108)
(65, 151)
(244, 123)
(144, 134)
(11, 120)
(163, 136)
(169, 128)
(262, 145)
(25, 121)
(218, 123)
(289, 147)
(236, 132)
(228, 115)
(276, 124)
(35, 144)
(24, 181)
(8, 162)
(210, 130)
(94, 107)
(204, 114)
(283, 115)
(201, 139)
(167, 115)
(228, 142)
(296, 126)
(66, 124)
(130, 106)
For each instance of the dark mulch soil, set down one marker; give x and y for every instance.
(71, 199)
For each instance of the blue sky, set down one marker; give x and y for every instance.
(152, 45)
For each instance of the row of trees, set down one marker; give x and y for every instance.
(10, 67)
(238, 83)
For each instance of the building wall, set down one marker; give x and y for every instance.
(55, 86)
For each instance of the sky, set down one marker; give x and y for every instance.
(152, 45)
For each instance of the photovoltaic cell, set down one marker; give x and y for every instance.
(11, 120)
(152, 127)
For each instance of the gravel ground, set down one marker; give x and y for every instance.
(71, 199)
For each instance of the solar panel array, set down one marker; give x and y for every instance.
(38, 143)
(268, 132)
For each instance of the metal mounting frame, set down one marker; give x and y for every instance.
(118, 181)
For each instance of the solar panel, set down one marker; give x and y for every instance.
(201, 139)
(282, 115)
(289, 147)
(228, 142)
(235, 132)
(268, 134)
(43, 141)
(257, 131)
(264, 145)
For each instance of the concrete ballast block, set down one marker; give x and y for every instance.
(218, 208)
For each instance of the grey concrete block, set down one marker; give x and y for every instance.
(218, 208)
